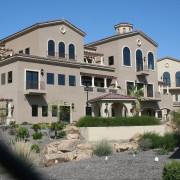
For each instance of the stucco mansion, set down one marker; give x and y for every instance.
(47, 66)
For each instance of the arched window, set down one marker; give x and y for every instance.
(150, 61)
(139, 60)
(71, 51)
(126, 57)
(178, 79)
(51, 48)
(166, 78)
(61, 49)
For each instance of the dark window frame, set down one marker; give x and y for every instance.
(111, 60)
(71, 51)
(3, 78)
(51, 48)
(10, 75)
(50, 78)
(34, 110)
(72, 82)
(150, 61)
(44, 110)
(61, 49)
(54, 110)
(27, 51)
(61, 79)
(126, 56)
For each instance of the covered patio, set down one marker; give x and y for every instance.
(112, 105)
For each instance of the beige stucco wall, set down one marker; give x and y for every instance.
(118, 133)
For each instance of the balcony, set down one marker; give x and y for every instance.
(60, 56)
(142, 70)
(34, 88)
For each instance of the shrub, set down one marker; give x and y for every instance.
(36, 127)
(145, 144)
(26, 123)
(37, 135)
(89, 121)
(171, 171)
(103, 148)
(15, 125)
(22, 133)
(175, 119)
(62, 133)
(35, 147)
(166, 143)
(24, 152)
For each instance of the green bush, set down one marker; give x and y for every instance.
(166, 143)
(35, 147)
(103, 148)
(89, 121)
(37, 135)
(22, 133)
(15, 125)
(36, 127)
(62, 133)
(171, 171)
(145, 144)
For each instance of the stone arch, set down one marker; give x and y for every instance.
(118, 109)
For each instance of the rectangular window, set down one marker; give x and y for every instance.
(21, 51)
(129, 86)
(176, 97)
(44, 110)
(34, 110)
(111, 60)
(140, 86)
(61, 79)
(149, 90)
(27, 51)
(3, 78)
(32, 79)
(50, 78)
(54, 111)
(72, 80)
(10, 77)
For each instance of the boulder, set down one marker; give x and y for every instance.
(49, 149)
(84, 155)
(135, 137)
(116, 147)
(84, 147)
(134, 146)
(59, 157)
(68, 145)
(123, 147)
(73, 136)
(72, 130)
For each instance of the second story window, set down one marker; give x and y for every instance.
(51, 48)
(10, 77)
(139, 60)
(34, 110)
(71, 51)
(150, 61)
(111, 60)
(166, 78)
(149, 90)
(178, 79)
(126, 57)
(50, 78)
(3, 78)
(61, 79)
(32, 80)
(72, 80)
(61, 50)
(129, 86)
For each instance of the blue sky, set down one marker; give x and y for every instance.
(159, 19)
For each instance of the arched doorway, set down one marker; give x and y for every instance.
(118, 109)
(97, 111)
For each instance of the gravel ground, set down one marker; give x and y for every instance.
(119, 166)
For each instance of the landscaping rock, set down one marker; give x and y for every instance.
(72, 130)
(61, 158)
(49, 149)
(84, 155)
(73, 136)
(68, 145)
(84, 146)
(123, 147)
(135, 137)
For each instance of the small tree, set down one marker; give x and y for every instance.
(175, 120)
(138, 94)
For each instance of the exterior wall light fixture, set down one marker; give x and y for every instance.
(72, 105)
(42, 72)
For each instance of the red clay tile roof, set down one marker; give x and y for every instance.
(112, 96)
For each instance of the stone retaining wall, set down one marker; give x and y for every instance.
(118, 133)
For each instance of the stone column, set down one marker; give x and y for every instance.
(102, 60)
(92, 82)
(116, 84)
(167, 89)
(105, 82)
(129, 107)
(9, 110)
(80, 80)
